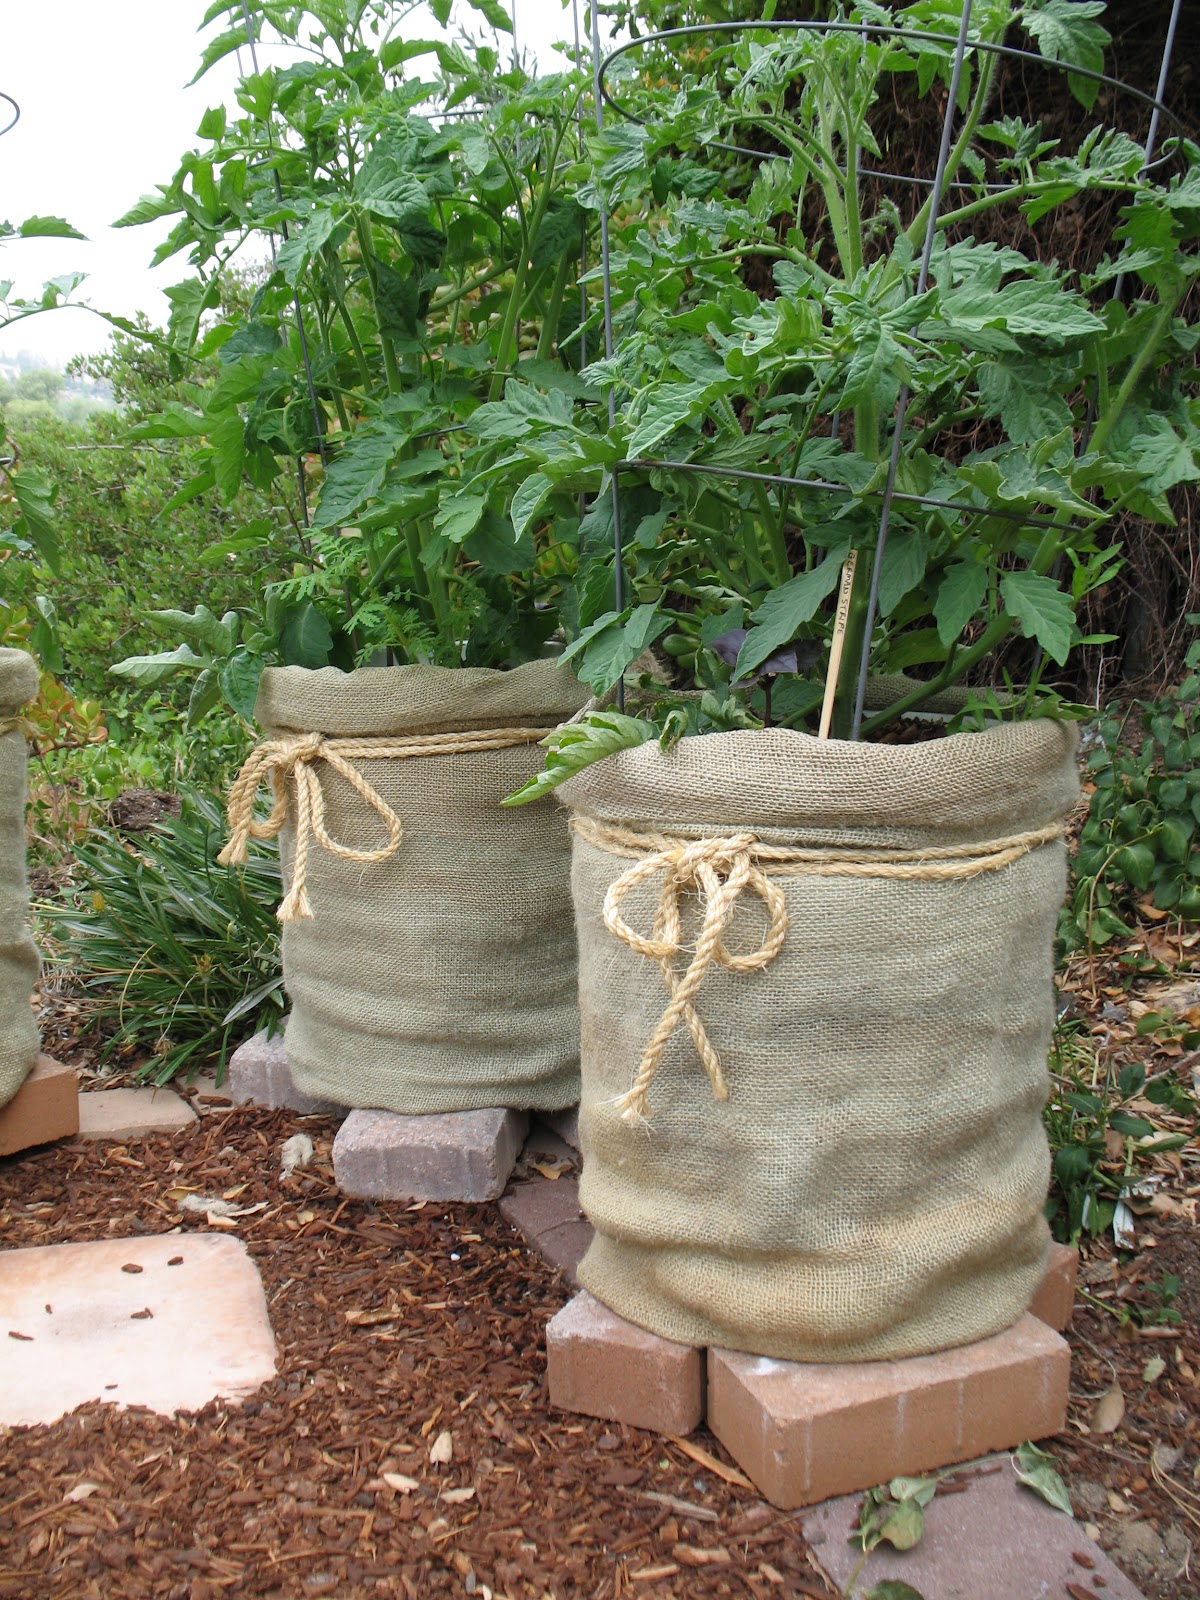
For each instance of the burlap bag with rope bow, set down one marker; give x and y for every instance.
(815, 992)
(428, 949)
(18, 956)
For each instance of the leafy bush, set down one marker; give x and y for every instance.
(1140, 843)
(174, 954)
(1088, 1104)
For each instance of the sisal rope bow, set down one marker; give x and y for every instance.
(719, 870)
(297, 756)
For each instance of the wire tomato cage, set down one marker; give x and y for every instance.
(963, 46)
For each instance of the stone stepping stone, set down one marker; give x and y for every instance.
(996, 1541)
(130, 1113)
(74, 1325)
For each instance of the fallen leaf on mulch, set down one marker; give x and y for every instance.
(1110, 1410)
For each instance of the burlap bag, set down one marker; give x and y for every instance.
(872, 1186)
(18, 956)
(432, 968)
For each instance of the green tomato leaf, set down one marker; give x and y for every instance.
(785, 611)
(579, 745)
(1042, 609)
(960, 595)
(904, 558)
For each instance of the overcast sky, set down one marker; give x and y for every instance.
(105, 116)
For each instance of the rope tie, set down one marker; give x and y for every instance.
(718, 870)
(297, 756)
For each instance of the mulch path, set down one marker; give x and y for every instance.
(395, 1326)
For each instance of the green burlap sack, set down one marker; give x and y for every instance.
(434, 971)
(18, 956)
(872, 1186)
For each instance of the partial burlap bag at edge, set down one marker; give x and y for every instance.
(442, 978)
(18, 955)
(873, 1186)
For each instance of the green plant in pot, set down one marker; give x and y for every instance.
(816, 972)
(423, 244)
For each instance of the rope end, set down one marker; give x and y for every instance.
(295, 905)
(234, 853)
(633, 1107)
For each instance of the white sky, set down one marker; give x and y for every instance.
(105, 116)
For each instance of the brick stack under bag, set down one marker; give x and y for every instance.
(816, 1002)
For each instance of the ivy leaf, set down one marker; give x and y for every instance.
(960, 595)
(579, 745)
(1043, 611)
(1035, 1469)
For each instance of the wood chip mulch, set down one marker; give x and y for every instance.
(395, 1328)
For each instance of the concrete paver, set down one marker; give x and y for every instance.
(130, 1113)
(166, 1321)
(452, 1155)
(547, 1213)
(259, 1073)
(996, 1541)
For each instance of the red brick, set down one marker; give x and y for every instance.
(599, 1364)
(1054, 1300)
(45, 1107)
(132, 1113)
(806, 1431)
(450, 1155)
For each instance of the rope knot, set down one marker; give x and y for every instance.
(717, 871)
(296, 757)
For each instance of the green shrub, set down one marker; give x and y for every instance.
(1088, 1101)
(173, 953)
(1140, 842)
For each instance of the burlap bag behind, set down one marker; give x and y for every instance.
(18, 956)
(873, 1186)
(444, 978)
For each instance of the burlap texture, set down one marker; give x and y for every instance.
(443, 979)
(873, 1187)
(18, 956)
